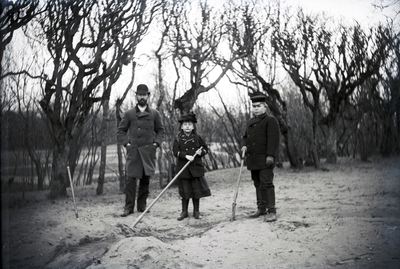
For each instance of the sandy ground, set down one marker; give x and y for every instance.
(343, 216)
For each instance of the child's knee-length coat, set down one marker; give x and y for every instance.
(188, 145)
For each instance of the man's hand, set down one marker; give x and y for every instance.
(244, 148)
(270, 160)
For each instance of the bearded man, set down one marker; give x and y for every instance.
(140, 132)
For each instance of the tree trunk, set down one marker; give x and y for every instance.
(40, 174)
(121, 170)
(331, 151)
(315, 156)
(291, 150)
(186, 102)
(163, 175)
(38, 166)
(389, 140)
(314, 139)
(103, 152)
(398, 130)
(59, 183)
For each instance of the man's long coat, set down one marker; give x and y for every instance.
(141, 129)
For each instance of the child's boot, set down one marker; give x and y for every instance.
(184, 213)
(196, 206)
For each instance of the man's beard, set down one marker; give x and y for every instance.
(142, 102)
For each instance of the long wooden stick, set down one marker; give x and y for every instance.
(72, 189)
(164, 190)
(237, 188)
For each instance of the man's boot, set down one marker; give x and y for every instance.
(261, 205)
(269, 195)
(130, 196)
(143, 193)
(196, 210)
(184, 213)
(259, 212)
(270, 217)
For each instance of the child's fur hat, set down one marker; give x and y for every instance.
(188, 117)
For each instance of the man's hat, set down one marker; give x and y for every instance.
(188, 117)
(258, 98)
(142, 89)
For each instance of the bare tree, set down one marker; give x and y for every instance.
(118, 114)
(88, 42)
(388, 4)
(33, 137)
(327, 66)
(389, 98)
(14, 15)
(250, 33)
(195, 39)
(168, 113)
(29, 127)
(229, 135)
(135, 27)
(104, 129)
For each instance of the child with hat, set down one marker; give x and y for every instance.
(261, 144)
(192, 183)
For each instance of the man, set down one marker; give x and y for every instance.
(261, 143)
(140, 132)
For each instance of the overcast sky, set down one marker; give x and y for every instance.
(360, 10)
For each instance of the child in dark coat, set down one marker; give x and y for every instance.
(192, 183)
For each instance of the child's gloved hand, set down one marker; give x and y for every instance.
(198, 152)
(189, 157)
